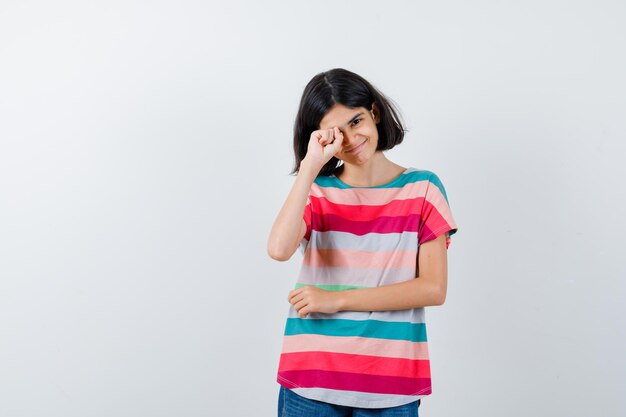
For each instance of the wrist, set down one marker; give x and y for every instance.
(341, 300)
(310, 167)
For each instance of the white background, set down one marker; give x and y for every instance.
(144, 154)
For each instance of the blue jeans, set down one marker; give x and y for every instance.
(291, 404)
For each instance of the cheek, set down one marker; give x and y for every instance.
(373, 136)
(366, 131)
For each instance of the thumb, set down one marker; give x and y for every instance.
(338, 139)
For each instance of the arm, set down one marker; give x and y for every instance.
(289, 227)
(427, 289)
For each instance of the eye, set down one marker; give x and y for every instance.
(355, 120)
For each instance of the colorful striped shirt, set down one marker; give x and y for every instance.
(359, 237)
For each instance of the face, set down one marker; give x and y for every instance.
(360, 136)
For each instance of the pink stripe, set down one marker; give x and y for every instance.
(358, 364)
(316, 257)
(434, 225)
(355, 382)
(380, 197)
(395, 208)
(326, 222)
(356, 345)
(369, 196)
(439, 204)
(307, 218)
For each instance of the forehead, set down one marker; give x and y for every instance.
(339, 115)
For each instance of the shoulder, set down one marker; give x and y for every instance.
(427, 175)
(422, 175)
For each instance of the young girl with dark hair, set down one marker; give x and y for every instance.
(374, 237)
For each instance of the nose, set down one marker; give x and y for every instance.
(350, 141)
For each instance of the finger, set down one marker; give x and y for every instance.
(316, 136)
(299, 305)
(327, 136)
(304, 311)
(302, 291)
(296, 299)
(321, 139)
(334, 133)
(293, 293)
(331, 135)
(339, 140)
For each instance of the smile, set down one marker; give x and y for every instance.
(357, 148)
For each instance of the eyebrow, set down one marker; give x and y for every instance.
(354, 118)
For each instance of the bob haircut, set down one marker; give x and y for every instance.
(341, 86)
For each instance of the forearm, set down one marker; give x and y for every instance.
(283, 237)
(417, 292)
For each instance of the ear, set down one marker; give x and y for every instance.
(374, 112)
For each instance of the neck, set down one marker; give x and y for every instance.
(377, 170)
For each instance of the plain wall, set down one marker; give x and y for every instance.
(145, 150)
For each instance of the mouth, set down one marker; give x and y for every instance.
(356, 148)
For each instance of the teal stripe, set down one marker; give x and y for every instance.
(401, 181)
(331, 287)
(414, 332)
(435, 180)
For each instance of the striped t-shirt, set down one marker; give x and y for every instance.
(359, 237)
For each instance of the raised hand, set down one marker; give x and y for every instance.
(323, 145)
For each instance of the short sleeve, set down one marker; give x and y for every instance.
(307, 216)
(436, 216)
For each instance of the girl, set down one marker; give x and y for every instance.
(374, 236)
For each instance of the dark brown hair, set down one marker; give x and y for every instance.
(341, 86)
